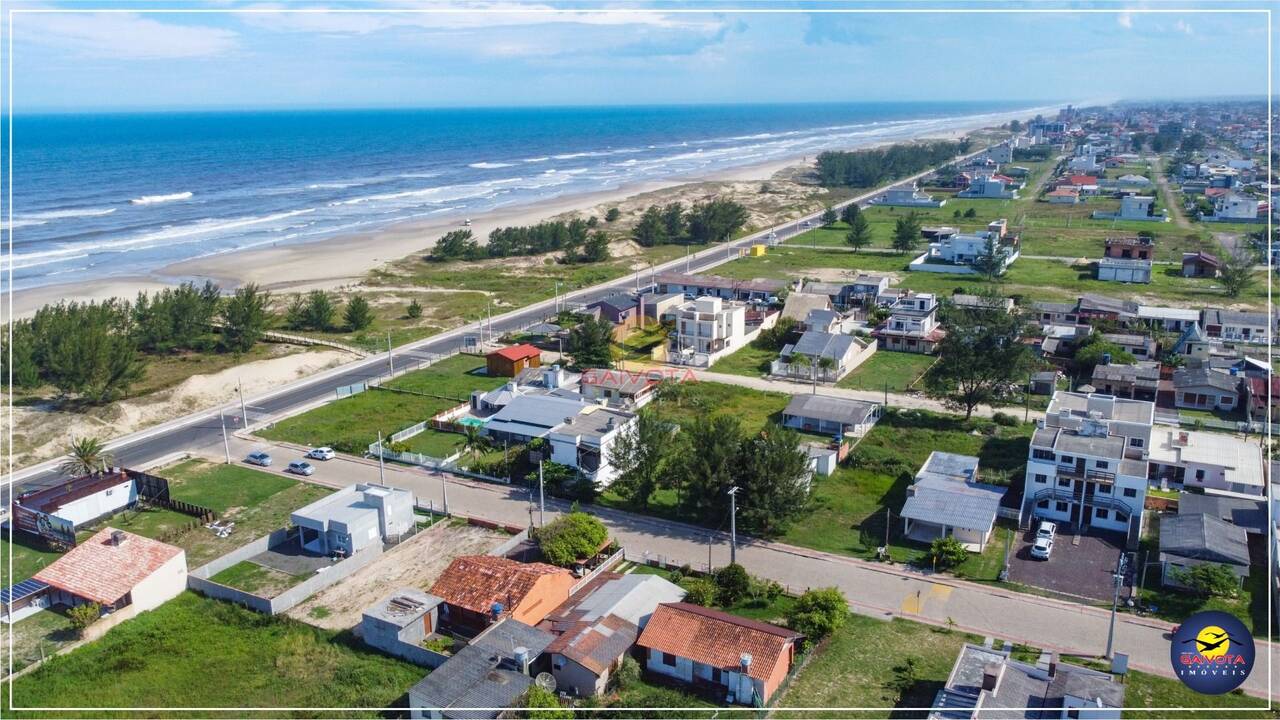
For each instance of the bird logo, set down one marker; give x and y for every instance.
(1211, 642)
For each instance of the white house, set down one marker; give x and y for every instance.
(354, 518)
(1002, 153)
(1213, 462)
(1084, 163)
(117, 569)
(1134, 207)
(705, 329)
(580, 432)
(963, 249)
(988, 188)
(912, 325)
(842, 352)
(832, 416)
(946, 500)
(1234, 206)
(1129, 270)
(1087, 464)
(907, 196)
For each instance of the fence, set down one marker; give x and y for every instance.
(608, 562)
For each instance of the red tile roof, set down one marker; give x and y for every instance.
(717, 638)
(104, 572)
(1083, 180)
(595, 645)
(517, 352)
(476, 582)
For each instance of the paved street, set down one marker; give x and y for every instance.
(872, 589)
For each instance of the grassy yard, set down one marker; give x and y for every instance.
(257, 579)
(27, 554)
(896, 371)
(352, 423)
(37, 637)
(848, 508)
(751, 360)
(639, 344)
(198, 652)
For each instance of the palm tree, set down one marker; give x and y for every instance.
(800, 362)
(85, 457)
(827, 365)
(475, 442)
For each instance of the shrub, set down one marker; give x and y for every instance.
(571, 537)
(82, 616)
(542, 704)
(1209, 579)
(817, 613)
(1003, 418)
(700, 591)
(947, 552)
(414, 311)
(627, 674)
(732, 584)
(613, 214)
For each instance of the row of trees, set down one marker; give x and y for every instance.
(318, 311)
(574, 238)
(868, 168)
(704, 222)
(704, 460)
(96, 351)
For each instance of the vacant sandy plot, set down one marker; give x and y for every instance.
(416, 563)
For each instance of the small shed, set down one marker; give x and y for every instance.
(509, 361)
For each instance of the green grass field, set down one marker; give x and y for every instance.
(351, 424)
(896, 371)
(751, 360)
(37, 637)
(28, 555)
(197, 652)
(256, 579)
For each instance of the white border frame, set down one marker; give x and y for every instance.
(1246, 7)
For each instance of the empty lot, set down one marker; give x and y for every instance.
(415, 563)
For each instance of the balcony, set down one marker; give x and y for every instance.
(1091, 474)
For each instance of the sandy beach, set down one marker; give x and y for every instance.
(345, 260)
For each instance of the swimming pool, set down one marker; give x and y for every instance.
(468, 420)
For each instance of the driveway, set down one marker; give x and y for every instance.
(1080, 565)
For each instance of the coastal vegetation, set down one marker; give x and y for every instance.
(868, 168)
(714, 220)
(574, 239)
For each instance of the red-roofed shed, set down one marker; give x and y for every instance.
(510, 360)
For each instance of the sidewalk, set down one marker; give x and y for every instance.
(872, 588)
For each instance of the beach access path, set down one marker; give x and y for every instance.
(873, 589)
(204, 427)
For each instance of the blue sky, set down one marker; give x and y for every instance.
(253, 55)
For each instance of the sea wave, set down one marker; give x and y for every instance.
(153, 199)
(441, 193)
(41, 217)
(6, 225)
(488, 165)
(169, 235)
(544, 158)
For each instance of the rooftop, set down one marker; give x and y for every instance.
(717, 639)
(484, 674)
(832, 409)
(104, 571)
(516, 352)
(477, 582)
(1240, 460)
(1203, 537)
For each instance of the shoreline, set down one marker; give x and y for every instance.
(347, 259)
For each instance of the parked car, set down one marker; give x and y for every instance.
(258, 458)
(301, 467)
(1047, 530)
(322, 453)
(1042, 548)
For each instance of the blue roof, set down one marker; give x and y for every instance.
(24, 589)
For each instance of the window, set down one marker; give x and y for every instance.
(1043, 504)
(1101, 514)
(1042, 479)
(1103, 464)
(1122, 517)
(1136, 442)
(558, 662)
(668, 659)
(1200, 474)
(1130, 492)
(1062, 506)
(1066, 460)
(1104, 489)
(1039, 454)
(1064, 482)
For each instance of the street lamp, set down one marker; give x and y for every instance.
(733, 525)
(1117, 580)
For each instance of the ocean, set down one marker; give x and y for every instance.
(99, 195)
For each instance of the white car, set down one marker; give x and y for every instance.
(1042, 548)
(259, 458)
(1047, 530)
(322, 453)
(300, 467)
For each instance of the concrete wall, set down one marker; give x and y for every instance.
(167, 582)
(100, 504)
(576, 679)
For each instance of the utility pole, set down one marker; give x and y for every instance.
(557, 297)
(391, 365)
(709, 539)
(542, 499)
(382, 480)
(1026, 414)
(244, 414)
(1117, 579)
(226, 447)
(733, 524)
(686, 258)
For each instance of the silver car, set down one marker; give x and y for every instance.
(258, 458)
(1042, 548)
(300, 467)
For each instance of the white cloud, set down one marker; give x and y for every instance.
(464, 16)
(1125, 20)
(121, 35)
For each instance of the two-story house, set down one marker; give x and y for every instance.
(912, 325)
(704, 329)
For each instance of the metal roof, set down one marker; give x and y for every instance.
(1241, 512)
(833, 409)
(1203, 537)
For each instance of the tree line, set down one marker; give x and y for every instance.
(702, 462)
(96, 351)
(703, 222)
(876, 166)
(574, 238)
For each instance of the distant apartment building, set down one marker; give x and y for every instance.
(912, 325)
(1087, 465)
